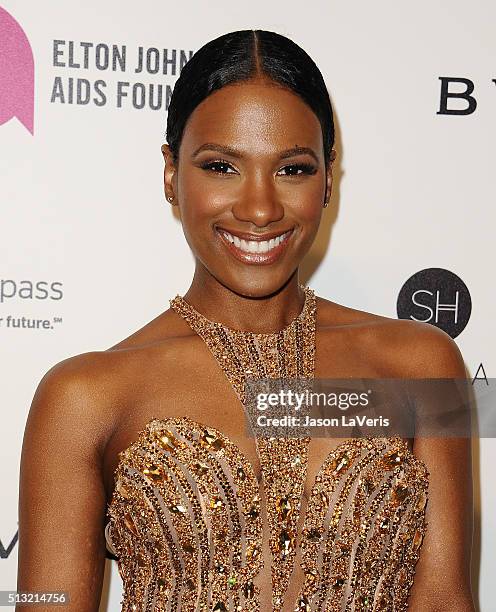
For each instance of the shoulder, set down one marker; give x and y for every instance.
(406, 348)
(94, 378)
(76, 395)
(423, 350)
(109, 372)
(92, 389)
(83, 396)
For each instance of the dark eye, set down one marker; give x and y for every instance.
(219, 166)
(298, 169)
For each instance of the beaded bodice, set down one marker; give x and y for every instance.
(185, 515)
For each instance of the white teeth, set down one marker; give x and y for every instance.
(255, 246)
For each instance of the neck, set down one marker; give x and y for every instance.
(262, 313)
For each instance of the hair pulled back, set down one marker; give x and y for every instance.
(240, 56)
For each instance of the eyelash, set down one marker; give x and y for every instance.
(308, 169)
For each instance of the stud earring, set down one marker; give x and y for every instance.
(170, 198)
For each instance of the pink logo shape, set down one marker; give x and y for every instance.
(16, 73)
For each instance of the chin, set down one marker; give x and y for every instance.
(253, 285)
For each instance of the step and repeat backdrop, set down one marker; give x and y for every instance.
(90, 250)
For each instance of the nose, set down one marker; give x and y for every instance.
(258, 201)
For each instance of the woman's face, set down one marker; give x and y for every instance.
(250, 184)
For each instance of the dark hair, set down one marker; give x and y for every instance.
(239, 56)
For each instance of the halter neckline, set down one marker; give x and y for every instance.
(216, 324)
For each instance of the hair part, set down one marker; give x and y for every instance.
(241, 56)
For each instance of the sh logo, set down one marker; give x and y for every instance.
(16, 73)
(436, 296)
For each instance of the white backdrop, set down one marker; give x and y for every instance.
(82, 206)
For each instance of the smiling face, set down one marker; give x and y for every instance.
(250, 184)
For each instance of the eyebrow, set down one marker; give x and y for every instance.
(226, 150)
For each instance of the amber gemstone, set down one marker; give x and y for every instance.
(153, 472)
(285, 542)
(123, 490)
(310, 577)
(421, 502)
(253, 512)
(241, 473)
(313, 535)
(188, 547)
(368, 486)
(417, 540)
(283, 507)
(304, 604)
(200, 467)
(210, 439)
(216, 502)
(340, 463)
(384, 524)
(393, 459)
(338, 583)
(399, 494)
(169, 441)
(177, 508)
(130, 524)
(252, 552)
(248, 589)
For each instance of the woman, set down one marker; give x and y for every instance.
(203, 516)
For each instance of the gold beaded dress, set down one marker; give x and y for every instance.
(185, 516)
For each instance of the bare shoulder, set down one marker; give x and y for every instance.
(406, 348)
(76, 395)
(90, 390)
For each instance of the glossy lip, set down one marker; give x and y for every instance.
(256, 258)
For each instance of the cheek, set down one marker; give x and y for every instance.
(304, 197)
(306, 204)
(202, 200)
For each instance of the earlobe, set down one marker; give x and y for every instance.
(332, 157)
(168, 173)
